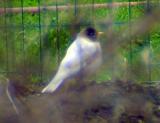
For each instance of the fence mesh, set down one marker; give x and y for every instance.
(35, 34)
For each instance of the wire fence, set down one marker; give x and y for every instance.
(35, 35)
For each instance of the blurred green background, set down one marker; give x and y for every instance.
(33, 44)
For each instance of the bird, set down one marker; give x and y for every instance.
(83, 57)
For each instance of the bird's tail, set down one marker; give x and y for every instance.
(53, 85)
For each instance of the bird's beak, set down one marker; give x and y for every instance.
(100, 33)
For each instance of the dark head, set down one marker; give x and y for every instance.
(89, 33)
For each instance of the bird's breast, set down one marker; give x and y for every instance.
(91, 57)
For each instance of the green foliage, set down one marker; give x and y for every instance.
(44, 44)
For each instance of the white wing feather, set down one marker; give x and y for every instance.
(68, 67)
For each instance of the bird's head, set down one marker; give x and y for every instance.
(90, 33)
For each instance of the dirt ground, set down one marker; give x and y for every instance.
(109, 102)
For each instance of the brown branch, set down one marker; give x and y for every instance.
(66, 7)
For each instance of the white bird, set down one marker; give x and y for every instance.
(83, 56)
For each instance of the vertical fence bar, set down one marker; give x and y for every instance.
(93, 18)
(149, 59)
(130, 42)
(23, 49)
(113, 67)
(57, 33)
(75, 8)
(40, 42)
(129, 21)
(148, 10)
(76, 15)
(12, 33)
(6, 39)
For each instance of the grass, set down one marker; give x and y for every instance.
(42, 49)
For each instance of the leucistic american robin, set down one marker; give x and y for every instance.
(84, 56)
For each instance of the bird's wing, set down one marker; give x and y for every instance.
(72, 59)
(69, 66)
